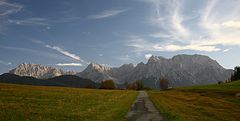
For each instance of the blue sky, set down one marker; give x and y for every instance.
(70, 34)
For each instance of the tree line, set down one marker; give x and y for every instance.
(136, 85)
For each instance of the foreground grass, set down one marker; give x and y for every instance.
(200, 103)
(37, 103)
(224, 86)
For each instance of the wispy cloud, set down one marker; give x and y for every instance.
(214, 28)
(125, 58)
(33, 21)
(107, 13)
(64, 52)
(60, 50)
(9, 8)
(5, 63)
(35, 52)
(143, 45)
(69, 64)
(6, 9)
(30, 21)
(226, 50)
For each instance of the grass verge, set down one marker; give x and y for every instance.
(200, 103)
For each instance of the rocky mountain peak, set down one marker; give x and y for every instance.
(98, 67)
(36, 70)
(154, 59)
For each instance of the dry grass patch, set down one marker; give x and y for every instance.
(198, 104)
(39, 103)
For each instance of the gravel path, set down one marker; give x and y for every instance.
(144, 110)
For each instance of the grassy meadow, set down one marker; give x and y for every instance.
(218, 102)
(39, 103)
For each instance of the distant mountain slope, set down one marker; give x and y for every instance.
(98, 72)
(64, 80)
(38, 71)
(181, 70)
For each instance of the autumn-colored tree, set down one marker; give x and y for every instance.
(132, 86)
(137, 85)
(163, 83)
(107, 84)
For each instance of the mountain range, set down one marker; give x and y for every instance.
(181, 70)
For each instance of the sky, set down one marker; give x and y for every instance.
(70, 34)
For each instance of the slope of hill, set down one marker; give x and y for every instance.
(208, 103)
(64, 80)
(41, 103)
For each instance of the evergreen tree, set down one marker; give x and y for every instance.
(139, 84)
(236, 74)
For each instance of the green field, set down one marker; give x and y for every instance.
(39, 103)
(218, 102)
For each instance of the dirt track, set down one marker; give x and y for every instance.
(144, 110)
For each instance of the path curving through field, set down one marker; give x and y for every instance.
(144, 110)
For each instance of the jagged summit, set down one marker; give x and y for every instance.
(98, 67)
(153, 59)
(38, 71)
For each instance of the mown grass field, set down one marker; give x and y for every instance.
(217, 102)
(39, 103)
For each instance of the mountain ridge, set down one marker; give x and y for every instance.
(181, 70)
(39, 71)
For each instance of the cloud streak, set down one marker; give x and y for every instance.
(35, 52)
(9, 8)
(69, 64)
(107, 13)
(31, 21)
(60, 50)
(64, 52)
(125, 58)
(5, 63)
(142, 45)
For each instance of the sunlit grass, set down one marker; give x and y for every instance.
(21, 103)
(200, 103)
(224, 86)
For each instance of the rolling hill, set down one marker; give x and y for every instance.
(64, 80)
